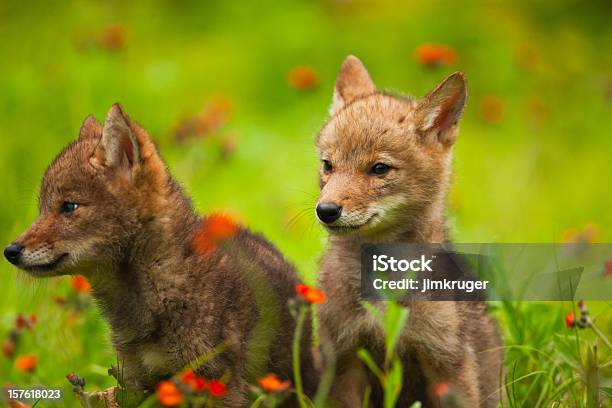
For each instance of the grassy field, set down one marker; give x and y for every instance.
(234, 93)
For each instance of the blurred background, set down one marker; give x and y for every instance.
(234, 94)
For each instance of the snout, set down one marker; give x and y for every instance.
(13, 253)
(328, 212)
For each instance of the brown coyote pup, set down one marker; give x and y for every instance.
(172, 285)
(385, 173)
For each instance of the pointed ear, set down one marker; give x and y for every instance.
(353, 82)
(438, 113)
(90, 128)
(118, 147)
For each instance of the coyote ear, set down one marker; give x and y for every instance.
(118, 147)
(90, 128)
(438, 113)
(353, 82)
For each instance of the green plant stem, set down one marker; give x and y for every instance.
(327, 377)
(599, 333)
(365, 402)
(297, 337)
(257, 403)
(84, 400)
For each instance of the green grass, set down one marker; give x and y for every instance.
(543, 169)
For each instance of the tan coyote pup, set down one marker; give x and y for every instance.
(385, 173)
(172, 285)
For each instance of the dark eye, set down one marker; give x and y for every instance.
(379, 169)
(327, 166)
(68, 207)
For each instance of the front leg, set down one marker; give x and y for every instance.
(444, 353)
(461, 374)
(350, 383)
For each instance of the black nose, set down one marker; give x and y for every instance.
(328, 212)
(13, 252)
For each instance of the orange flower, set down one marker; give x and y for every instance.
(570, 320)
(569, 235)
(217, 388)
(588, 234)
(193, 380)
(33, 320)
(217, 112)
(441, 390)
(303, 78)
(215, 228)
(26, 363)
(435, 55)
(114, 37)
(17, 404)
(80, 284)
(310, 293)
(492, 109)
(168, 395)
(228, 145)
(526, 57)
(272, 383)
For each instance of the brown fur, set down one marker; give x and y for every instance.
(451, 342)
(132, 236)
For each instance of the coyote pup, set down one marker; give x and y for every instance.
(170, 288)
(385, 173)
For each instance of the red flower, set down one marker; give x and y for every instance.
(26, 363)
(199, 384)
(310, 293)
(570, 320)
(215, 229)
(168, 394)
(75, 380)
(72, 378)
(8, 348)
(436, 55)
(272, 383)
(303, 77)
(80, 284)
(187, 376)
(193, 380)
(21, 322)
(217, 388)
(608, 268)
